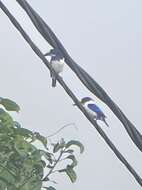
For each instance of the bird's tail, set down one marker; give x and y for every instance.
(105, 122)
(51, 74)
(53, 81)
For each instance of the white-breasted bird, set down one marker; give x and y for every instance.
(93, 110)
(57, 63)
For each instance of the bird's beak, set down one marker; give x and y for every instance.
(47, 54)
(76, 104)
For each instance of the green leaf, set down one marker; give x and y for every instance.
(49, 166)
(57, 147)
(23, 147)
(37, 185)
(70, 172)
(2, 185)
(8, 176)
(47, 155)
(43, 163)
(23, 132)
(38, 169)
(11, 187)
(6, 119)
(76, 143)
(36, 156)
(41, 138)
(9, 105)
(70, 151)
(33, 184)
(72, 157)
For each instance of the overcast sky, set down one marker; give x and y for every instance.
(104, 37)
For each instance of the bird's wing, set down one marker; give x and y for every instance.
(96, 109)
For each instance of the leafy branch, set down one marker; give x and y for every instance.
(23, 164)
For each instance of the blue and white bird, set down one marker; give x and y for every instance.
(93, 110)
(57, 63)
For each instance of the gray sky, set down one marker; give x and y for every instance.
(104, 37)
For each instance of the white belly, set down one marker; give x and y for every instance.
(58, 66)
(90, 112)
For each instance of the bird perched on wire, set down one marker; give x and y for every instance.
(57, 63)
(93, 110)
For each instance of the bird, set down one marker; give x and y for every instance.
(93, 110)
(57, 63)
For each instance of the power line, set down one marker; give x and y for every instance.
(83, 76)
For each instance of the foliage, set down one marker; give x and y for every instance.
(23, 166)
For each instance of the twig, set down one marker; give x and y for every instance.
(59, 157)
(59, 130)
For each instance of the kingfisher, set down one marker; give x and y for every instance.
(57, 63)
(93, 110)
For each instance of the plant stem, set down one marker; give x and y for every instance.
(56, 162)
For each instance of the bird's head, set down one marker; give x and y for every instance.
(53, 53)
(84, 100)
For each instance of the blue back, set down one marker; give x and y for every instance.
(96, 109)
